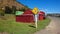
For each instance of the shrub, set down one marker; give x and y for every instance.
(2, 12)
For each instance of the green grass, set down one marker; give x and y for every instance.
(11, 26)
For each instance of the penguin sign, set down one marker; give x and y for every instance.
(35, 12)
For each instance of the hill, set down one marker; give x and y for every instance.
(11, 4)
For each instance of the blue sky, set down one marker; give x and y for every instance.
(48, 6)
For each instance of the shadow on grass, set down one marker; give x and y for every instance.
(32, 26)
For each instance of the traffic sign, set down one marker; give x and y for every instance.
(35, 11)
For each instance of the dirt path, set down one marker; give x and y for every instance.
(52, 28)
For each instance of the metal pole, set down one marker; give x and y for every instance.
(36, 20)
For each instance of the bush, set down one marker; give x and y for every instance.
(14, 9)
(2, 12)
(8, 10)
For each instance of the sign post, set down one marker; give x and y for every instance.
(36, 20)
(35, 12)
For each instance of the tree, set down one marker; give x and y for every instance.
(8, 10)
(14, 9)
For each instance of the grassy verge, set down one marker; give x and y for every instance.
(13, 27)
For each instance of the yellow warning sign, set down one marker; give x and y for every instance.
(35, 11)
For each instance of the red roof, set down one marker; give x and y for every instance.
(28, 12)
(41, 12)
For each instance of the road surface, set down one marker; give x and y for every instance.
(52, 28)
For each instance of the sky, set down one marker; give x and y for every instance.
(48, 6)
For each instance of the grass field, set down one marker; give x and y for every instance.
(10, 26)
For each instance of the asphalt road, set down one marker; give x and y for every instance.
(52, 28)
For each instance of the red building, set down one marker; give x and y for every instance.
(28, 16)
(41, 15)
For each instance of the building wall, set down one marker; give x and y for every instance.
(25, 18)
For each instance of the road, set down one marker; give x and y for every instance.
(52, 28)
